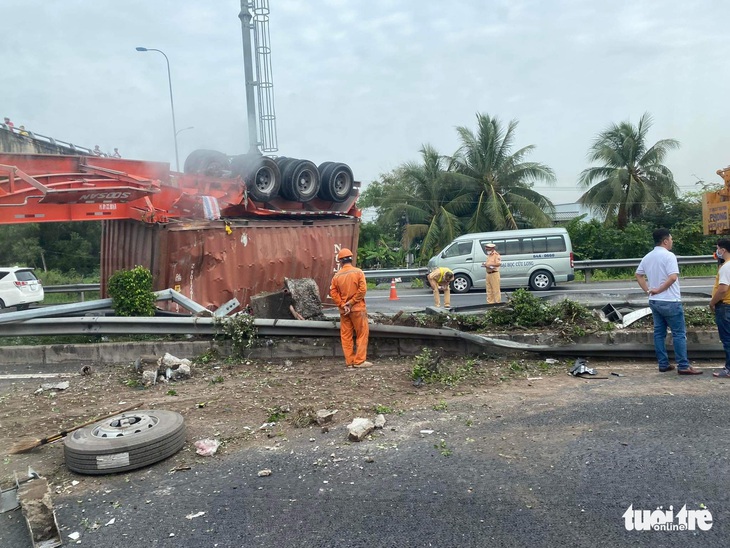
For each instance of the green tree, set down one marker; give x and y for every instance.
(632, 177)
(497, 182)
(424, 201)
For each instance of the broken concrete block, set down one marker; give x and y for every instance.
(325, 415)
(182, 372)
(380, 421)
(149, 378)
(145, 361)
(359, 428)
(37, 507)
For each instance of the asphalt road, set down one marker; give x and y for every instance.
(554, 462)
(412, 300)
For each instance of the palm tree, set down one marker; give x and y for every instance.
(421, 201)
(497, 182)
(632, 176)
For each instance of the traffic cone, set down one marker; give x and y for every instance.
(393, 294)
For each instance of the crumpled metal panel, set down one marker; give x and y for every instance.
(212, 262)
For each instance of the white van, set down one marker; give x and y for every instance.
(536, 258)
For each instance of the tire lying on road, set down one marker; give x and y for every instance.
(125, 442)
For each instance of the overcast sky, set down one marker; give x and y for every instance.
(367, 82)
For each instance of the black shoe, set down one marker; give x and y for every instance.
(689, 371)
(670, 368)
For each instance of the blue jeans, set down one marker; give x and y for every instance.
(722, 319)
(669, 314)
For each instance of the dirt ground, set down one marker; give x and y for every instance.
(230, 402)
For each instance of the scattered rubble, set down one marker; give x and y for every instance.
(359, 428)
(325, 415)
(166, 368)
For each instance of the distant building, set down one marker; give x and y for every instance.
(568, 212)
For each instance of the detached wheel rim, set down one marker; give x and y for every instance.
(125, 425)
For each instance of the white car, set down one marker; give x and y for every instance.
(19, 287)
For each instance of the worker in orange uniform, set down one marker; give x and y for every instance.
(492, 264)
(348, 292)
(440, 278)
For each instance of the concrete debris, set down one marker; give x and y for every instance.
(156, 369)
(181, 373)
(55, 385)
(74, 536)
(149, 378)
(380, 421)
(171, 362)
(359, 428)
(206, 447)
(305, 296)
(145, 361)
(299, 299)
(37, 508)
(325, 415)
(264, 473)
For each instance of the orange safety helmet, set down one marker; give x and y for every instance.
(344, 253)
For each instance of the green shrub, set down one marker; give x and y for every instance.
(131, 292)
(241, 329)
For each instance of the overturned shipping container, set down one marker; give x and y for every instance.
(212, 262)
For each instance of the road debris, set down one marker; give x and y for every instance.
(359, 428)
(195, 515)
(325, 415)
(206, 447)
(264, 473)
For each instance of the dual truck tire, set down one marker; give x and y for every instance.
(266, 178)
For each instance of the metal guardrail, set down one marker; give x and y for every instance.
(205, 327)
(589, 266)
(396, 273)
(72, 288)
(46, 139)
(586, 266)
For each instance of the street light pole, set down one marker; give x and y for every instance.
(172, 102)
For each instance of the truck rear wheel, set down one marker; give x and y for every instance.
(261, 174)
(206, 162)
(337, 181)
(300, 180)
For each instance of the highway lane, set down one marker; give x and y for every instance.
(412, 300)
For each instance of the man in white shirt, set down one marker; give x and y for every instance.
(658, 276)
